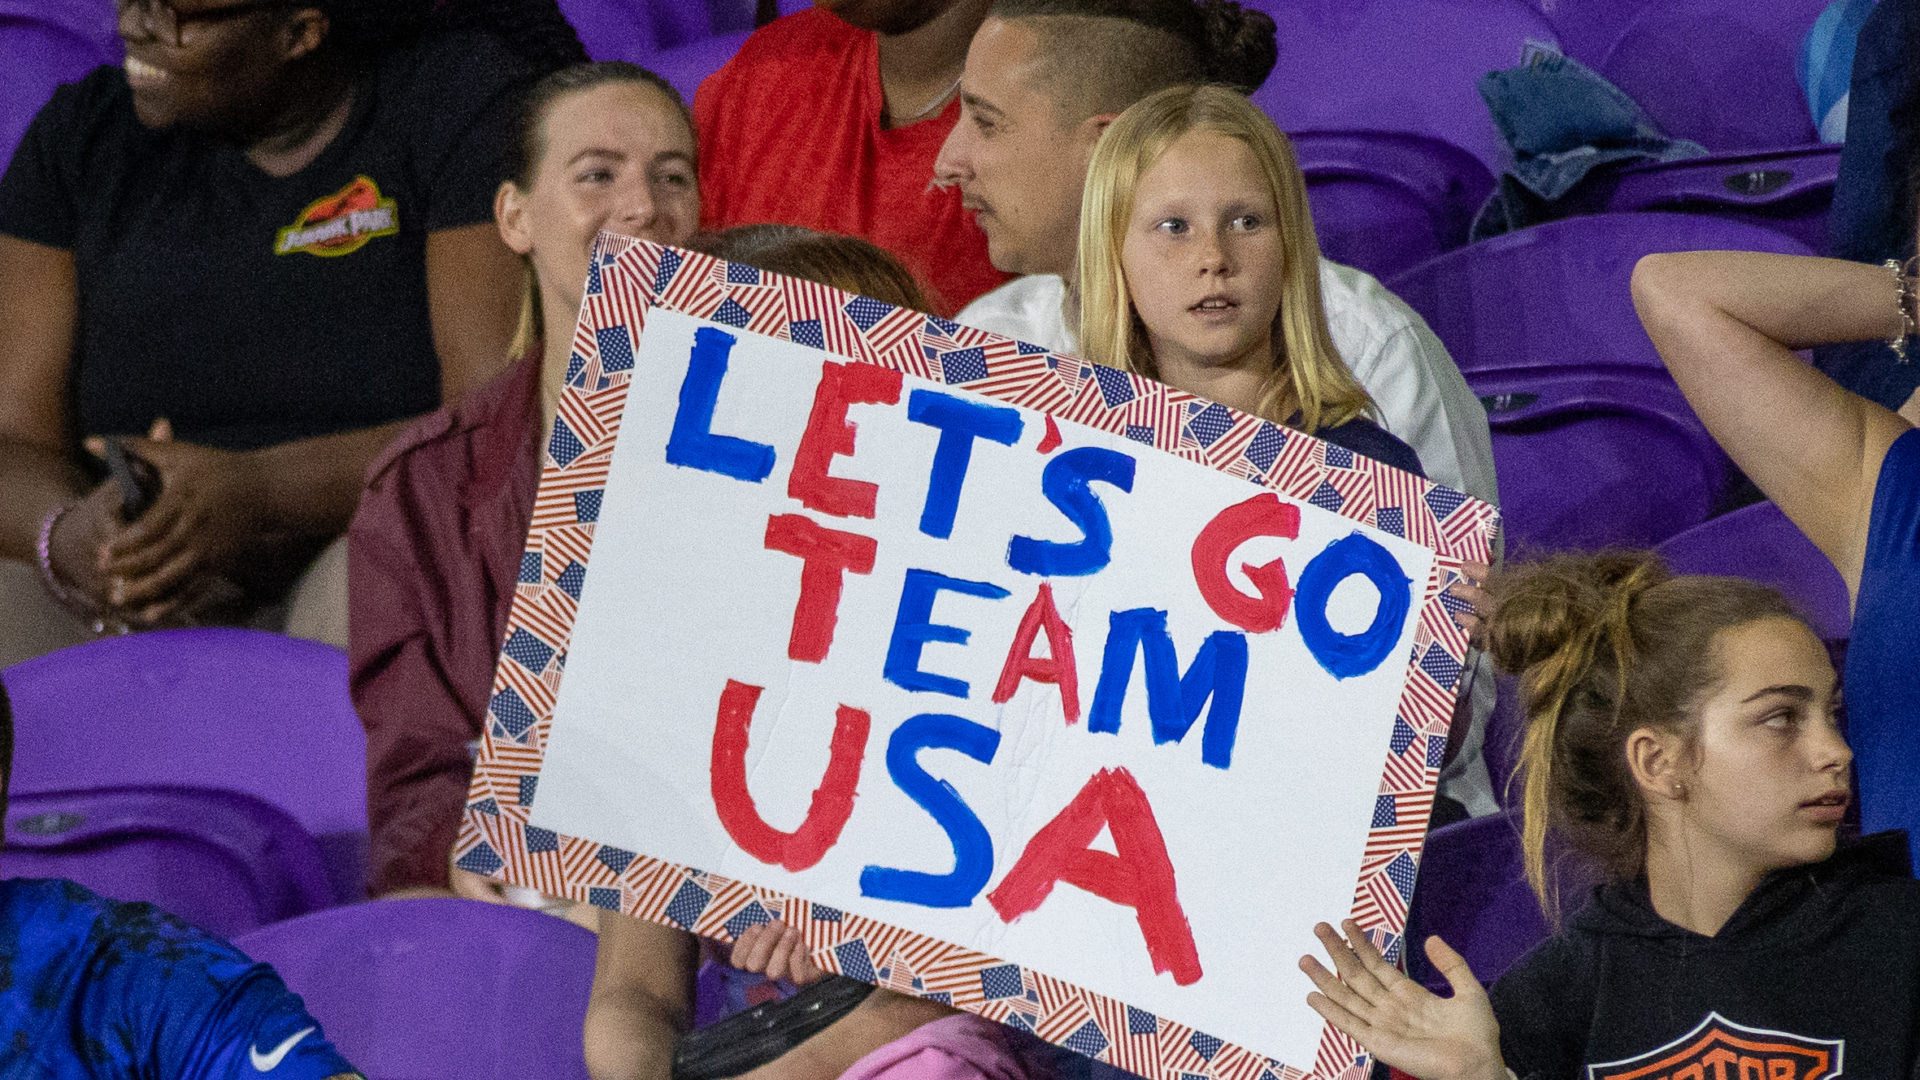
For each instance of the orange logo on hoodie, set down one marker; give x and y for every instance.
(341, 223)
(1720, 1049)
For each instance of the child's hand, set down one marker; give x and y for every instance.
(1397, 1019)
(775, 950)
(1471, 588)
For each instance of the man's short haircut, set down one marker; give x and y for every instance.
(1101, 56)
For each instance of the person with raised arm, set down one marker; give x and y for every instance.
(1843, 469)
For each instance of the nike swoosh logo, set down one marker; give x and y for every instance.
(269, 1062)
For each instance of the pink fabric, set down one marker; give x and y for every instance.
(960, 1047)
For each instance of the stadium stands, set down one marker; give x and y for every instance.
(1387, 201)
(438, 989)
(1397, 65)
(237, 710)
(222, 860)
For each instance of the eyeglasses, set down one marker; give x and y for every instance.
(169, 24)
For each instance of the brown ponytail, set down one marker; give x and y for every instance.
(1605, 645)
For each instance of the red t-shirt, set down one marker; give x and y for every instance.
(790, 133)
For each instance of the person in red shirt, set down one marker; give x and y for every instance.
(831, 118)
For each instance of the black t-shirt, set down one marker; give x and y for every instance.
(252, 310)
(1822, 963)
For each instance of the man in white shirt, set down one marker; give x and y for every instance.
(1043, 78)
(1028, 123)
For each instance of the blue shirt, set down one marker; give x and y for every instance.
(1883, 655)
(96, 989)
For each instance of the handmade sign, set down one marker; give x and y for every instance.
(1037, 688)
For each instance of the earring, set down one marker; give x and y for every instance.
(1679, 791)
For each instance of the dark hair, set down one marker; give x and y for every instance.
(535, 30)
(1605, 645)
(1133, 48)
(843, 262)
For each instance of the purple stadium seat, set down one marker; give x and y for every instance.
(1397, 65)
(440, 989)
(238, 710)
(1472, 892)
(226, 862)
(1387, 201)
(1719, 72)
(1759, 543)
(40, 53)
(1588, 28)
(1555, 295)
(1589, 461)
(686, 66)
(613, 29)
(1788, 191)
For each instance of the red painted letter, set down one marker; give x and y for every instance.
(1262, 515)
(827, 554)
(1140, 877)
(1056, 667)
(829, 433)
(832, 800)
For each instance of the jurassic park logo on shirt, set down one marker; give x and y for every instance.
(341, 223)
(1720, 1049)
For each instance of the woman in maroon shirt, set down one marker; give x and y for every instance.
(437, 540)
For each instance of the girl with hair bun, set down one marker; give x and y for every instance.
(1683, 735)
(1199, 267)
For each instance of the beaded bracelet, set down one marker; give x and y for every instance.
(68, 598)
(1903, 283)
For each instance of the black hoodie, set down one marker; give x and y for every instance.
(1816, 975)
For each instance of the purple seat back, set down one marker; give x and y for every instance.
(1387, 201)
(440, 989)
(689, 65)
(1556, 295)
(226, 862)
(1590, 461)
(240, 710)
(1759, 543)
(613, 29)
(1719, 72)
(1396, 65)
(1473, 893)
(40, 55)
(1788, 191)
(1588, 28)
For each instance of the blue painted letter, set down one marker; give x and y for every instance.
(960, 422)
(1174, 701)
(972, 846)
(1347, 655)
(693, 444)
(912, 628)
(1065, 484)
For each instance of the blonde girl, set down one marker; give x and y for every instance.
(1198, 266)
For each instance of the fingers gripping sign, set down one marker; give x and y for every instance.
(1398, 1020)
(775, 950)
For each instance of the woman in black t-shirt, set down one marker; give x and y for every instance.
(249, 253)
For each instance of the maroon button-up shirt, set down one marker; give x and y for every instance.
(434, 552)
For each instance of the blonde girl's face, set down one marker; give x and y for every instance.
(617, 156)
(1769, 782)
(1203, 256)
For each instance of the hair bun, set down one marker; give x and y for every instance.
(1241, 45)
(1542, 608)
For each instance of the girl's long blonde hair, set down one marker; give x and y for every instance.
(1307, 370)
